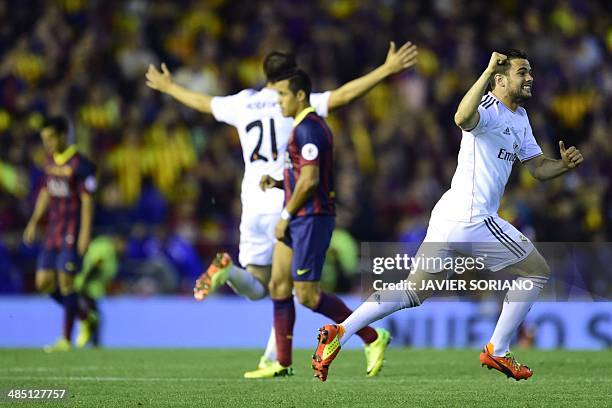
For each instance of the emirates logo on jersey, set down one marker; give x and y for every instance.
(506, 155)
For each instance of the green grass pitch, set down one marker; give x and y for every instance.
(213, 378)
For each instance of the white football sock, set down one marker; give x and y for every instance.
(373, 309)
(245, 284)
(515, 308)
(270, 352)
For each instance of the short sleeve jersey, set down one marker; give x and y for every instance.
(311, 144)
(66, 177)
(485, 161)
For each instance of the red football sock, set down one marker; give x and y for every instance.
(71, 309)
(284, 319)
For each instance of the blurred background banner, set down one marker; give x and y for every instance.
(234, 323)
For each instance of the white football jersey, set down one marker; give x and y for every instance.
(264, 133)
(485, 161)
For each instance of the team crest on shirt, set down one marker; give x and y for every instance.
(523, 238)
(91, 184)
(310, 151)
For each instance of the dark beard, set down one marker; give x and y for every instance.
(519, 98)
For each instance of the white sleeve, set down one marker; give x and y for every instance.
(320, 102)
(530, 147)
(485, 121)
(226, 108)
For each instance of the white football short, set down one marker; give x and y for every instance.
(257, 238)
(494, 241)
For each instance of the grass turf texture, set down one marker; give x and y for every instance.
(207, 377)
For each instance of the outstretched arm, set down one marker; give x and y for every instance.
(467, 115)
(162, 81)
(545, 168)
(396, 61)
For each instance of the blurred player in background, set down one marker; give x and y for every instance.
(264, 133)
(464, 222)
(70, 181)
(305, 229)
(100, 266)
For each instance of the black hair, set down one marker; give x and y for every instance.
(58, 123)
(300, 81)
(511, 53)
(279, 65)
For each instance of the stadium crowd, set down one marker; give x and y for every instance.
(169, 178)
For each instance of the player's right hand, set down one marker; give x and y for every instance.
(496, 59)
(160, 81)
(267, 182)
(29, 234)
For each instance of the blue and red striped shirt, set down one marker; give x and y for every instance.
(67, 176)
(311, 143)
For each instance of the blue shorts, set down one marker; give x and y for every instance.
(309, 239)
(60, 260)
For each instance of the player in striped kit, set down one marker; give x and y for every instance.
(70, 181)
(305, 229)
(464, 222)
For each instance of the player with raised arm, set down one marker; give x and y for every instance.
(464, 222)
(305, 229)
(70, 181)
(264, 133)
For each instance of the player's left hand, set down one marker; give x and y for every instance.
(401, 59)
(281, 229)
(571, 157)
(82, 244)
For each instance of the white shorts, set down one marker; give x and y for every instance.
(257, 238)
(494, 240)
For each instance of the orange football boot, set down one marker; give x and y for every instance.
(327, 349)
(506, 364)
(214, 277)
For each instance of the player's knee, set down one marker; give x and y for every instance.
(307, 297)
(421, 295)
(66, 285)
(45, 284)
(538, 265)
(279, 289)
(543, 268)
